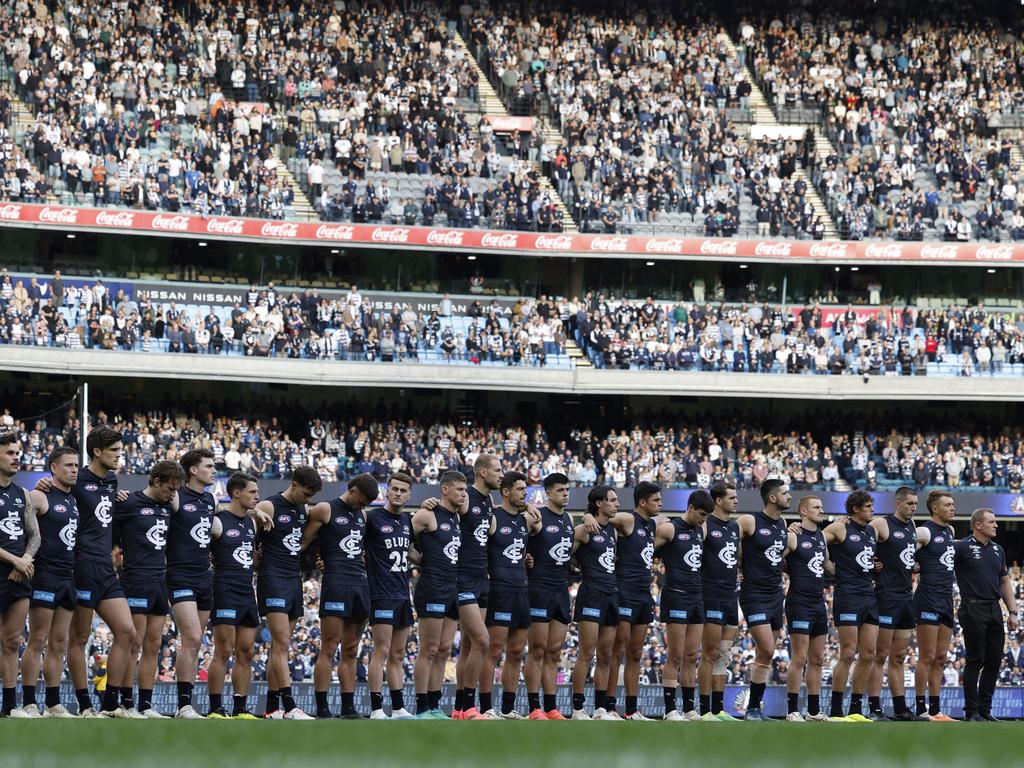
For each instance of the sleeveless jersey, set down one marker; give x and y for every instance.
(551, 548)
(762, 556)
(12, 524)
(936, 559)
(897, 555)
(634, 556)
(682, 556)
(475, 527)
(141, 526)
(387, 554)
(58, 529)
(597, 560)
(341, 544)
(806, 566)
(283, 543)
(721, 546)
(855, 559)
(506, 551)
(233, 552)
(188, 542)
(441, 547)
(95, 497)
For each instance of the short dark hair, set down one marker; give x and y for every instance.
(597, 493)
(366, 484)
(643, 491)
(770, 486)
(56, 453)
(6, 438)
(720, 489)
(903, 492)
(509, 479)
(933, 498)
(977, 514)
(192, 459)
(165, 472)
(453, 476)
(307, 477)
(701, 500)
(238, 481)
(555, 478)
(856, 500)
(401, 477)
(100, 439)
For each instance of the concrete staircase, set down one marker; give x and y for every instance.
(23, 121)
(302, 209)
(576, 356)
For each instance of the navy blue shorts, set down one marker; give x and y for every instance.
(195, 588)
(721, 607)
(53, 592)
(854, 610)
(146, 596)
(435, 601)
(235, 604)
(13, 591)
(96, 582)
(681, 608)
(550, 604)
(896, 612)
(346, 601)
(473, 590)
(508, 609)
(806, 616)
(763, 609)
(636, 607)
(397, 613)
(597, 606)
(933, 609)
(280, 594)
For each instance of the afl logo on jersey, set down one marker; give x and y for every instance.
(476, 510)
(505, 529)
(386, 529)
(233, 532)
(854, 537)
(897, 534)
(641, 532)
(92, 487)
(684, 537)
(597, 539)
(284, 519)
(806, 544)
(937, 539)
(717, 534)
(189, 507)
(444, 527)
(341, 520)
(59, 508)
(765, 531)
(552, 529)
(147, 511)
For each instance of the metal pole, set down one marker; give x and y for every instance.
(83, 399)
(785, 285)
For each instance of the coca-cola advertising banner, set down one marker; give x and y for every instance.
(554, 244)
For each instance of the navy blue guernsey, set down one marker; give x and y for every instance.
(95, 497)
(282, 543)
(188, 541)
(140, 527)
(597, 560)
(682, 556)
(762, 556)
(233, 552)
(551, 549)
(721, 547)
(506, 551)
(12, 524)
(441, 548)
(937, 559)
(635, 555)
(475, 527)
(855, 560)
(58, 529)
(387, 554)
(897, 555)
(340, 540)
(806, 565)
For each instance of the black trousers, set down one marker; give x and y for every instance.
(982, 623)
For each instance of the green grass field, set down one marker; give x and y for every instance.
(96, 744)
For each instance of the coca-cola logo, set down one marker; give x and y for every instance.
(674, 245)
(827, 250)
(335, 232)
(994, 252)
(118, 219)
(610, 244)
(772, 249)
(945, 252)
(170, 223)
(381, 235)
(279, 229)
(556, 243)
(225, 226)
(444, 237)
(10, 212)
(504, 240)
(718, 247)
(884, 251)
(59, 215)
